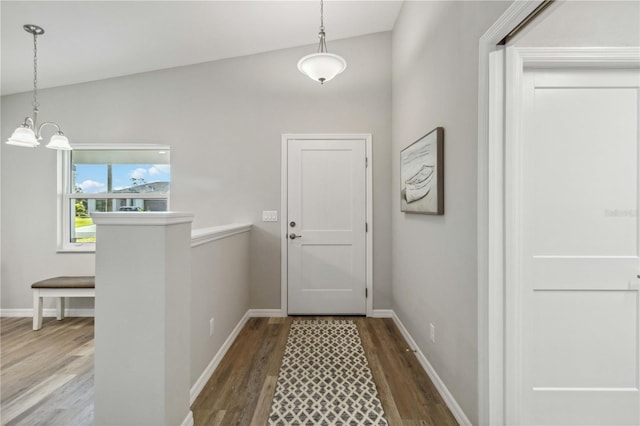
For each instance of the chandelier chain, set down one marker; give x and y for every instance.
(322, 45)
(35, 71)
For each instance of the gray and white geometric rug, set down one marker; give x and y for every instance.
(325, 379)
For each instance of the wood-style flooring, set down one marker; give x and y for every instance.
(241, 389)
(47, 375)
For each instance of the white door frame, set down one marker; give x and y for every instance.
(499, 326)
(366, 137)
(490, 250)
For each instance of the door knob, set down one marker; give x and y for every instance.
(294, 236)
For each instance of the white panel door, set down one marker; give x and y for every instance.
(576, 251)
(327, 214)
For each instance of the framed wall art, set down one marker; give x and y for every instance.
(422, 174)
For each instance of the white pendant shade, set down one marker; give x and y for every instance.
(322, 67)
(60, 142)
(23, 136)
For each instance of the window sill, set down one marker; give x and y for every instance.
(79, 249)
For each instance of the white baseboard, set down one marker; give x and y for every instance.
(188, 421)
(265, 313)
(381, 313)
(208, 372)
(48, 312)
(456, 410)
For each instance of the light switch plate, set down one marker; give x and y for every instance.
(270, 216)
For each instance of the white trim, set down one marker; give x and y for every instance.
(510, 203)
(265, 313)
(490, 392)
(215, 361)
(121, 146)
(284, 179)
(188, 421)
(206, 235)
(381, 313)
(284, 201)
(369, 234)
(141, 218)
(582, 57)
(117, 196)
(47, 312)
(448, 398)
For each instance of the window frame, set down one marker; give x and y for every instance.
(65, 194)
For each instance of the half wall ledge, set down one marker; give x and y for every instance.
(206, 235)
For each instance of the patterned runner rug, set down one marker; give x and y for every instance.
(324, 378)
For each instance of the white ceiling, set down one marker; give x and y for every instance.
(92, 40)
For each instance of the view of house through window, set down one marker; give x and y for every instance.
(111, 180)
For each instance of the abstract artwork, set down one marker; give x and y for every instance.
(422, 174)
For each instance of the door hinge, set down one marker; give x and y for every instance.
(366, 227)
(366, 293)
(366, 162)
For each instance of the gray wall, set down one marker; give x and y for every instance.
(435, 83)
(219, 290)
(224, 121)
(593, 23)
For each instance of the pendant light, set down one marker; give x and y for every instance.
(322, 66)
(29, 132)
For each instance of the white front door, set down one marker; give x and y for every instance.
(326, 218)
(573, 247)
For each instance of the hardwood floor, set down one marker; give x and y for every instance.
(47, 375)
(241, 389)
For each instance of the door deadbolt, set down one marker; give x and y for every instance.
(292, 224)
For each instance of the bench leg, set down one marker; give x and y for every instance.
(37, 311)
(60, 308)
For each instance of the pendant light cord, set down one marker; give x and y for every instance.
(35, 72)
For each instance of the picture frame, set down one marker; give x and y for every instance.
(422, 175)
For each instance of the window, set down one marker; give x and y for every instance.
(108, 178)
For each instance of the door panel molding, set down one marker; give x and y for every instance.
(366, 138)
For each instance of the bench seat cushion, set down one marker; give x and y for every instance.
(67, 282)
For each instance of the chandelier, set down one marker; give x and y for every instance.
(322, 66)
(29, 132)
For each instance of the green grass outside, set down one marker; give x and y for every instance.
(84, 221)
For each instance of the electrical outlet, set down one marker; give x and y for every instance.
(432, 332)
(270, 216)
(211, 327)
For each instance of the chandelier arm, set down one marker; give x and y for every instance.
(39, 132)
(28, 122)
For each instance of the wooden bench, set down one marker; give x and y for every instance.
(60, 287)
